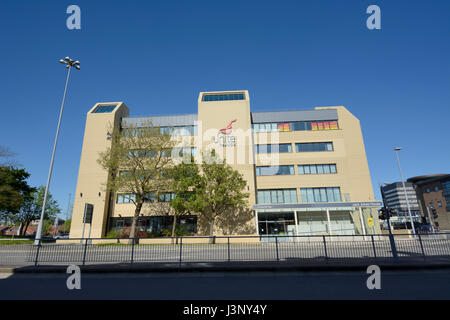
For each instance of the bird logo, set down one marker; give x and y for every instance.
(229, 128)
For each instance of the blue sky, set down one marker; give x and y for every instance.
(156, 56)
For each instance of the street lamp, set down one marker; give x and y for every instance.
(397, 149)
(69, 63)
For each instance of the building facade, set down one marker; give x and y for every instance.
(306, 170)
(394, 197)
(433, 193)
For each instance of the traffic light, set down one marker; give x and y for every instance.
(383, 213)
(386, 213)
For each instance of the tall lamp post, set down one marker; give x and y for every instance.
(69, 63)
(397, 149)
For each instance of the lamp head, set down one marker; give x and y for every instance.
(397, 148)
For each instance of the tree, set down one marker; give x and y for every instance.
(213, 191)
(66, 225)
(32, 207)
(186, 183)
(138, 161)
(5, 155)
(13, 189)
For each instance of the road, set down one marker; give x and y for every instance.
(395, 284)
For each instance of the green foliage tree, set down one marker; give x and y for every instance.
(66, 225)
(13, 189)
(32, 206)
(137, 162)
(186, 183)
(213, 190)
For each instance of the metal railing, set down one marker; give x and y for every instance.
(304, 249)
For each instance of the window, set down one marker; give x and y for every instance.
(329, 194)
(274, 148)
(275, 170)
(436, 188)
(179, 130)
(316, 168)
(277, 196)
(296, 126)
(104, 109)
(222, 97)
(439, 204)
(126, 198)
(314, 147)
(166, 196)
(192, 151)
(150, 197)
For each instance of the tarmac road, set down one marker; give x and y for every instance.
(395, 284)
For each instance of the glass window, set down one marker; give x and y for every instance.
(104, 109)
(330, 146)
(310, 195)
(337, 194)
(333, 168)
(313, 169)
(316, 194)
(307, 169)
(323, 195)
(326, 168)
(310, 147)
(320, 169)
(285, 147)
(330, 195)
(303, 195)
(223, 97)
(300, 169)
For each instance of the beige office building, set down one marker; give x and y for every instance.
(306, 170)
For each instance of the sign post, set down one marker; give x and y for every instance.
(87, 218)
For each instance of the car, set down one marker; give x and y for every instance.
(62, 236)
(425, 228)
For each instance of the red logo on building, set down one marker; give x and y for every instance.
(229, 128)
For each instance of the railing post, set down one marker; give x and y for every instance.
(132, 251)
(374, 250)
(276, 246)
(181, 248)
(85, 249)
(37, 253)
(393, 246)
(421, 246)
(229, 259)
(325, 247)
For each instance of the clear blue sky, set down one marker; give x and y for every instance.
(156, 56)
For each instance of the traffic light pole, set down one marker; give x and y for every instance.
(387, 213)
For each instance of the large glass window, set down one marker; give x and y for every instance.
(222, 97)
(104, 109)
(329, 194)
(296, 126)
(314, 147)
(277, 196)
(275, 170)
(274, 148)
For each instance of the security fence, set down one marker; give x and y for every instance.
(304, 249)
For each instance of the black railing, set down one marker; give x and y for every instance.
(329, 248)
